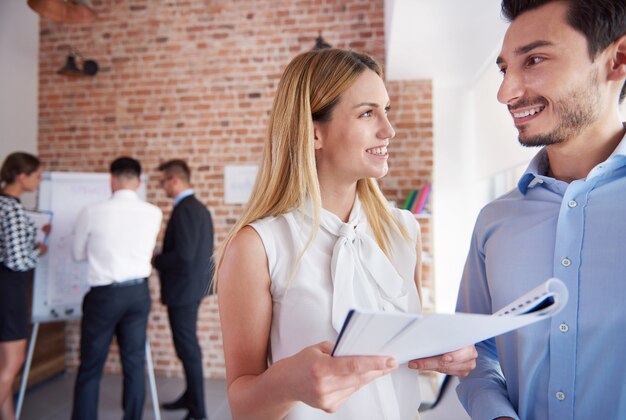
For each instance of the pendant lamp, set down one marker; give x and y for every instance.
(64, 11)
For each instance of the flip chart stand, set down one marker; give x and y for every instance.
(29, 359)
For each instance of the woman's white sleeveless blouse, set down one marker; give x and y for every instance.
(342, 268)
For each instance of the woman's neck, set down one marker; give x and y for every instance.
(14, 190)
(339, 200)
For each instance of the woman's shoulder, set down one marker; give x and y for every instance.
(405, 217)
(274, 226)
(9, 205)
(266, 221)
(246, 241)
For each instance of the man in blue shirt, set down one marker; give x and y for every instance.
(564, 66)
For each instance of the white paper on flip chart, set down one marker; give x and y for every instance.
(412, 336)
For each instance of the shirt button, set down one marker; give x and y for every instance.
(565, 262)
(560, 396)
(564, 328)
(572, 203)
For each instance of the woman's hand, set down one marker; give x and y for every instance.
(325, 382)
(458, 363)
(42, 248)
(47, 228)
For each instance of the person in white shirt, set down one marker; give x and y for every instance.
(117, 238)
(317, 238)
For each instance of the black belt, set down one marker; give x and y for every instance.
(131, 282)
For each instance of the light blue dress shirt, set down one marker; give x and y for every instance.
(572, 366)
(183, 194)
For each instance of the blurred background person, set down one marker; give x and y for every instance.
(185, 271)
(20, 173)
(116, 238)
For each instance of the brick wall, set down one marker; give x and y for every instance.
(411, 160)
(195, 79)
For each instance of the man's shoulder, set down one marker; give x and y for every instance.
(499, 210)
(149, 207)
(121, 206)
(192, 203)
(508, 199)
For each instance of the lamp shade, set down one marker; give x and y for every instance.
(70, 68)
(320, 43)
(90, 67)
(64, 11)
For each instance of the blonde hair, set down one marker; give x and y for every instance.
(308, 91)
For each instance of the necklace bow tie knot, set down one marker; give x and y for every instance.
(362, 275)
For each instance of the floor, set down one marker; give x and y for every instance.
(52, 400)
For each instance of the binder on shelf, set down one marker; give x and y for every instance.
(413, 336)
(421, 199)
(410, 200)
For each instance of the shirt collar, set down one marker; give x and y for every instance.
(125, 193)
(362, 276)
(182, 195)
(10, 196)
(537, 171)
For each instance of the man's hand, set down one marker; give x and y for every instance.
(458, 363)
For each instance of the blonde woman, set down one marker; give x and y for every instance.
(316, 239)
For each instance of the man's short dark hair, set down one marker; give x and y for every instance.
(177, 168)
(125, 167)
(600, 21)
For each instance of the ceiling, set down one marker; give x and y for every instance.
(451, 41)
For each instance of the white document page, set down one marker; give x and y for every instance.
(411, 336)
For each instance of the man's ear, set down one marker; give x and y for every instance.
(317, 135)
(617, 71)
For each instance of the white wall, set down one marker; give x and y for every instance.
(454, 204)
(19, 71)
(496, 136)
(19, 46)
(476, 157)
(474, 143)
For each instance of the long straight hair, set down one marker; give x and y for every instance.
(308, 91)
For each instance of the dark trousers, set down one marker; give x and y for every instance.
(183, 322)
(108, 310)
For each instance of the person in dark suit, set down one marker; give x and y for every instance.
(185, 269)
